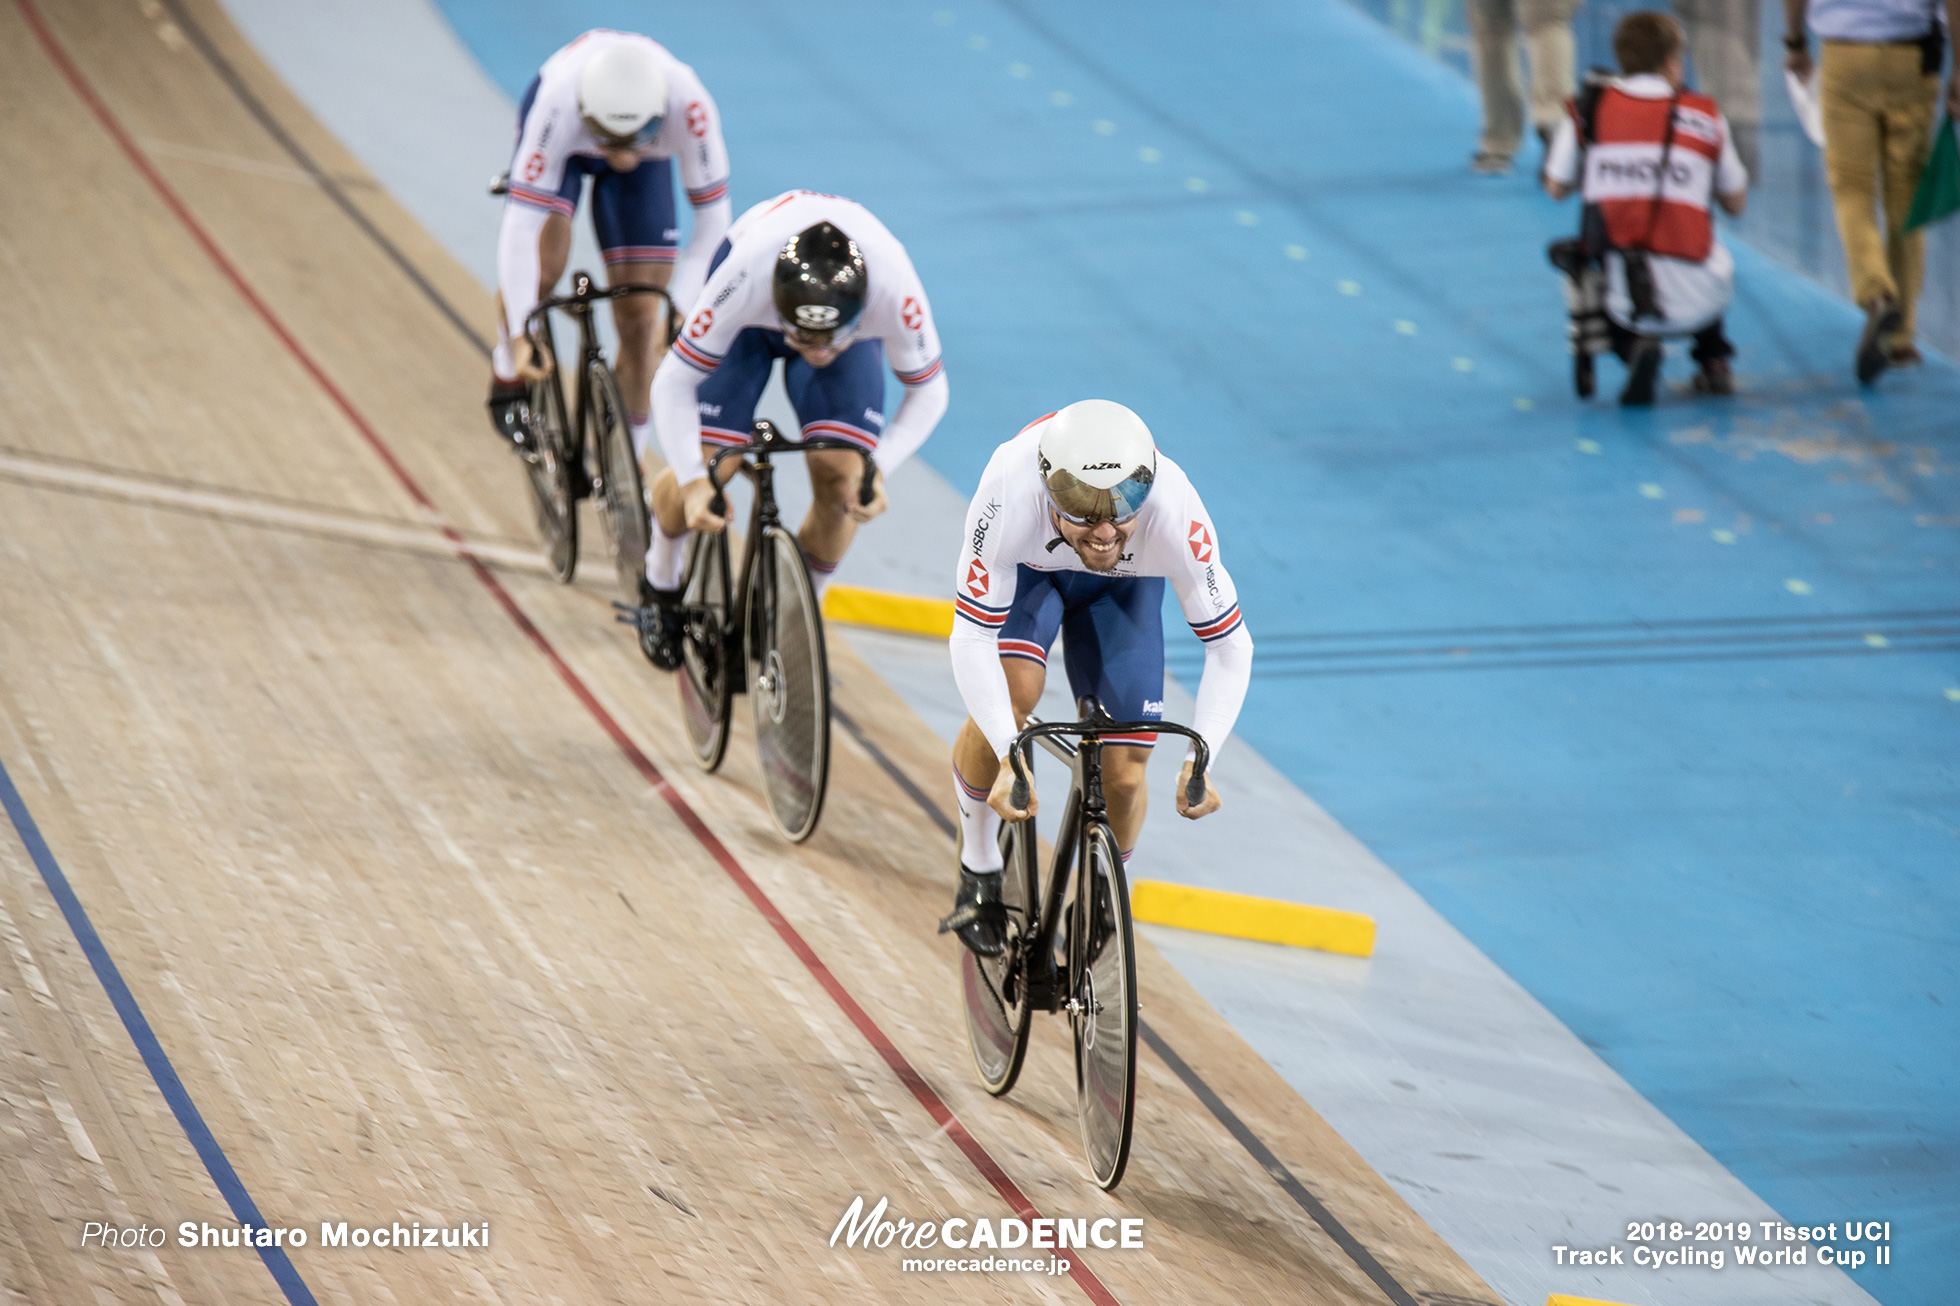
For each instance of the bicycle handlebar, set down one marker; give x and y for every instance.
(769, 440)
(583, 295)
(1194, 789)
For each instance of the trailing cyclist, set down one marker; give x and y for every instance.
(1076, 525)
(619, 108)
(819, 282)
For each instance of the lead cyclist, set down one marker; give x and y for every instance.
(1076, 525)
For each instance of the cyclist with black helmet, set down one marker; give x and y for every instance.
(1076, 525)
(818, 282)
(619, 108)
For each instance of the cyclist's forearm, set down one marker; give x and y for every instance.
(918, 413)
(983, 684)
(677, 418)
(518, 262)
(710, 225)
(1221, 690)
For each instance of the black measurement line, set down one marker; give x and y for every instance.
(323, 179)
(1363, 1259)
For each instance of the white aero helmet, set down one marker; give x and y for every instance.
(1097, 462)
(622, 94)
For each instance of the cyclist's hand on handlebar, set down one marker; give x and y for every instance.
(1211, 803)
(865, 512)
(1001, 798)
(695, 498)
(531, 365)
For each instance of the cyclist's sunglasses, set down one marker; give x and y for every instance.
(643, 137)
(835, 338)
(1080, 504)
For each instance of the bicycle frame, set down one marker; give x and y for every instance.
(764, 514)
(580, 304)
(1048, 985)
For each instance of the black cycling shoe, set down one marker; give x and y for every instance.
(662, 622)
(978, 916)
(510, 414)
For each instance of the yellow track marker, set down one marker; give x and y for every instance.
(906, 613)
(1560, 1299)
(1264, 920)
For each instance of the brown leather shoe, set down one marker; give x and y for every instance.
(1882, 318)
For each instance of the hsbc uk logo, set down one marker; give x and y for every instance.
(1200, 541)
(976, 579)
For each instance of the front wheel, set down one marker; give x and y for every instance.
(624, 504)
(789, 684)
(994, 990)
(706, 675)
(1103, 1007)
(551, 471)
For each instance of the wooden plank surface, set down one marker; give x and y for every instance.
(420, 940)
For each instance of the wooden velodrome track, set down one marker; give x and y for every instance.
(396, 848)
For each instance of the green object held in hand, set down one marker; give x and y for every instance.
(1938, 195)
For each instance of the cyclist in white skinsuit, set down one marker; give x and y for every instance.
(817, 281)
(1076, 525)
(618, 107)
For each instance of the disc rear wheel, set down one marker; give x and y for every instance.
(994, 990)
(707, 661)
(624, 504)
(551, 471)
(1103, 1008)
(789, 685)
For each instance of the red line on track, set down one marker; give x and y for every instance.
(934, 1105)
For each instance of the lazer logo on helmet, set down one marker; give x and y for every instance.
(1100, 467)
(816, 317)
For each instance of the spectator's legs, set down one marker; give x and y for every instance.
(1548, 45)
(1907, 127)
(1852, 80)
(1722, 38)
(1494, 58)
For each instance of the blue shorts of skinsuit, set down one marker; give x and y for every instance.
(1113, 639)
(632, 212)
(844, 401)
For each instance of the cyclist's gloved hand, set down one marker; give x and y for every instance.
(695, 497)
(1001, 798)
(531, 365)
(1211, 803)
(865, 512)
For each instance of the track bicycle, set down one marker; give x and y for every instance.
(1094, 979)
(563, 451)
(759, 629)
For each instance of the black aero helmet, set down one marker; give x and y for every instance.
(820, 280)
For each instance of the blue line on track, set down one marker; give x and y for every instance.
(229, 1185)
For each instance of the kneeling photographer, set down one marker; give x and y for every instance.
(1650, 158)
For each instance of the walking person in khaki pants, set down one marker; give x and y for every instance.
(1494, 55)
(1880, 76)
